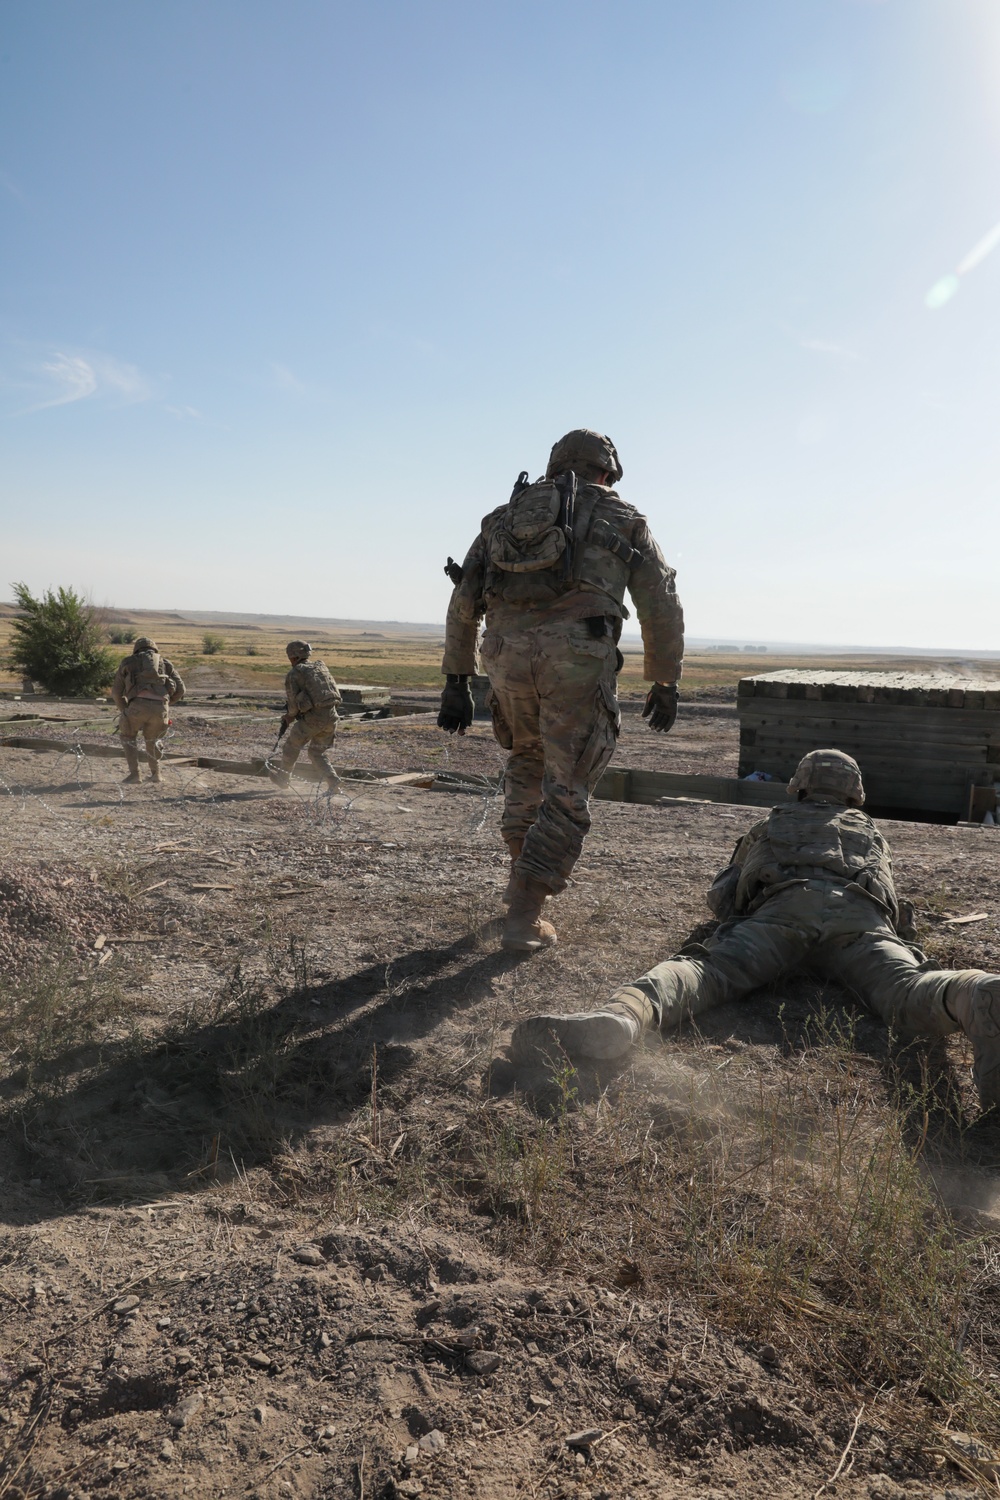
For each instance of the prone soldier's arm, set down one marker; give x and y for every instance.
(118, 688)
(658, 608)
(465, 610)
(175, 681)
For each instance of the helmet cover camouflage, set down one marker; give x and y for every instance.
(144, 644)
(829, 771)
(584, 449)
(298, 650)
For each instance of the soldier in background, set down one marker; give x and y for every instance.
(311, 715)
(549, 571)
(811, 885)
(145, 686)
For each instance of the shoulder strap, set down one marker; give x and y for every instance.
(585, 508)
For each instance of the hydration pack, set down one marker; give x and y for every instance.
(144, 672)
(314, 686)
(537, 525)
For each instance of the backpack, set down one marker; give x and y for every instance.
(314, 686)
(144, 673)
(534, 530)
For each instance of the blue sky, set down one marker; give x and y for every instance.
(289, 292)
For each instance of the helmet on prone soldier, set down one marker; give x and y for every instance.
(143, 644)
(586, 453)
(831, 773)
(298, 650)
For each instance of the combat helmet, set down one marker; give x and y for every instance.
(581, 450)
(144, 644)
(298, 650)
(829, 771)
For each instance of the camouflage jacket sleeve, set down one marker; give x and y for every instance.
(722, 891)
(175, 681)
(118, 686)
(465, 611)
(661, 618)
(292, 694)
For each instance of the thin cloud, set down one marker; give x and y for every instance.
(69, 378)
(824, 346)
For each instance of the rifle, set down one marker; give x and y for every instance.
(567, 518)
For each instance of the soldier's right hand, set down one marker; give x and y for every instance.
(661, 706)
(457, 706)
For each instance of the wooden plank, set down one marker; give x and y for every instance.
(649, 787)
(71, 747)
(977, 719)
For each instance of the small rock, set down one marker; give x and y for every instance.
(768, 1354)
(482, 1362)
(309, 1255)
(162, 1323)
(185, 1411)
(411, 1455)
(378, 1272)
(409, 1487)
(585, 1438)
(125, 1305)
(538, 1403)
(324, 1340)
(259, 1361)
(262, 1414)
(432, 1442)
(166, 1450)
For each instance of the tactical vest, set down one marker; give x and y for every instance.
(525, 549)
(145, 673)
(814, 841)
(314, 686)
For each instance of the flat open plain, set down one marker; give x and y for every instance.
(278, 1220)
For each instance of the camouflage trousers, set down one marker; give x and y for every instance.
(313, 732)
(148, 717)
(554, 706)
(833, 933)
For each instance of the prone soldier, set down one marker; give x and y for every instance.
(549, 571)
(810, 885)
(144, 686)
(310, 718)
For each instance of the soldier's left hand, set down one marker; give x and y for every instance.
(457, 705)
(661, 706)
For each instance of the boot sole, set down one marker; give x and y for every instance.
(528, 945)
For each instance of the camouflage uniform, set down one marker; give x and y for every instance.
(550, 651)
(811, 886)
(144, 686)
(312, 697)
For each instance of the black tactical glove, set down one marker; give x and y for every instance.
(661, 706)
(455, 571)
(457, 706)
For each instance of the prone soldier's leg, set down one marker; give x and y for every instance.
(917, 999)
(291, 747)
(743, 955)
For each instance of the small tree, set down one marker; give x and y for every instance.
(57, 641)
(211, 645)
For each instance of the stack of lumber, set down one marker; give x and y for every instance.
(923, 740)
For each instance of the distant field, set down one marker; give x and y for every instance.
(253, 654)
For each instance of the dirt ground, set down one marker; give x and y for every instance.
(279, 1220)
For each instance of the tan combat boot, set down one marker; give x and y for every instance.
(591, 1036)
(524, 930)
(515, 846)
(132, 761)
(154, 767)
(280, 777)
(973, 1000)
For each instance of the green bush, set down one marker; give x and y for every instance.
(211, 645)
(57, 641)
(122, 635)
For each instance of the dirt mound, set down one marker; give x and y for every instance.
(42, 906)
